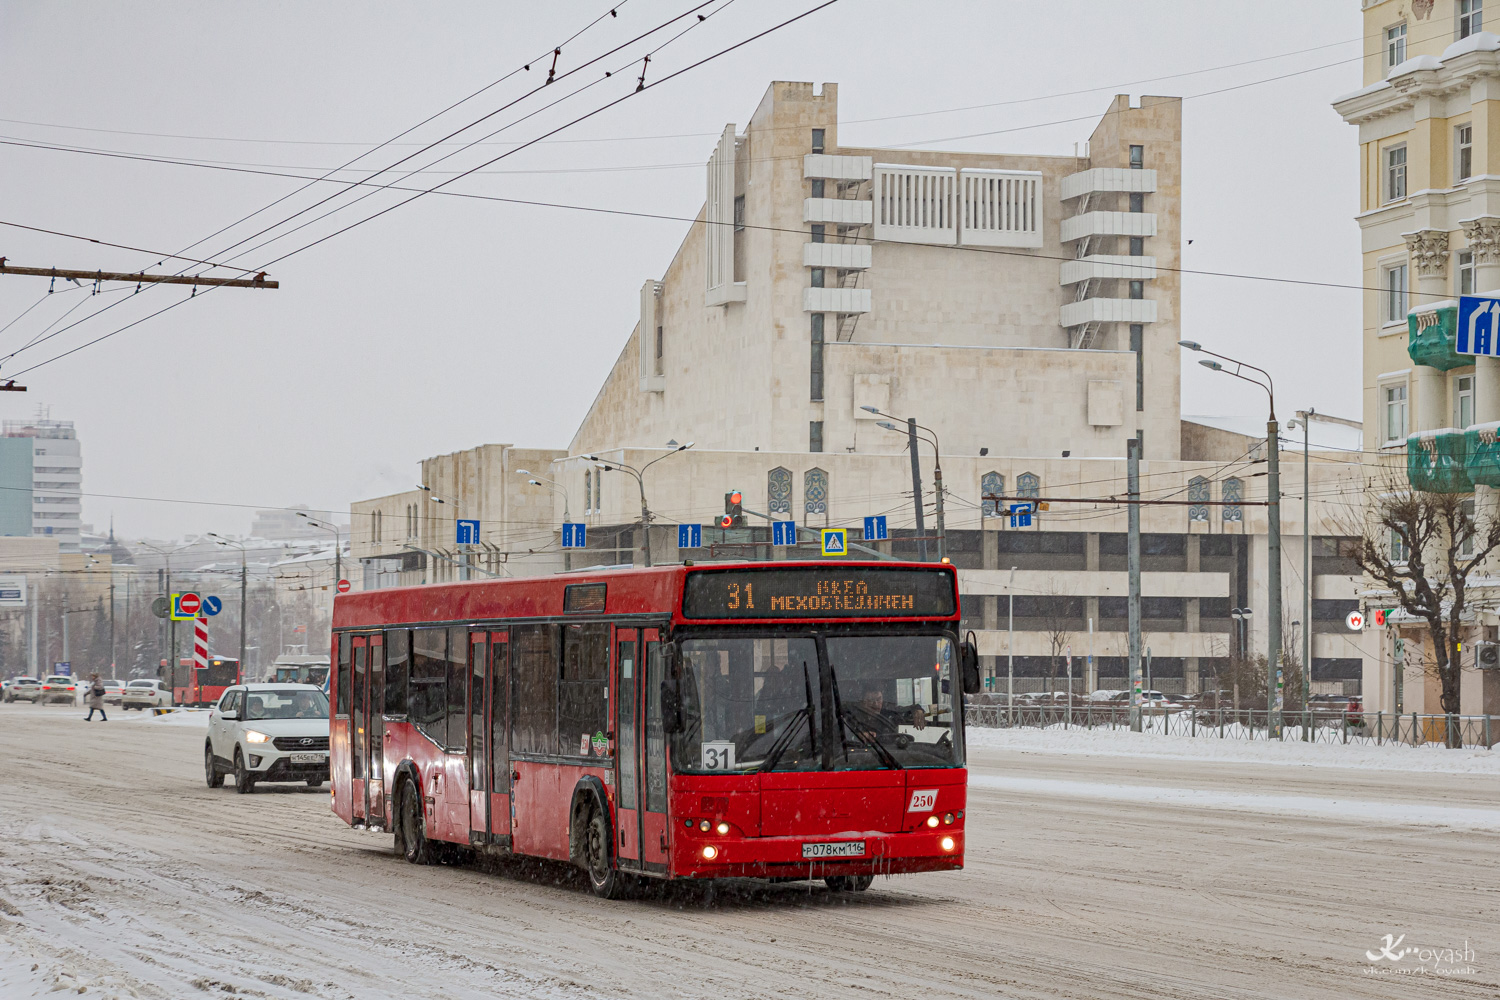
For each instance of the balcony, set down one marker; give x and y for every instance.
(845, 256)
(1482, 454)
(1431, 331)
(840, 211)
(1436, 462)
(1108, 224)
(1098, 266)
(1000, 208)
(836, 168)
(836, 300)
(1108, 180)
(1108, 311)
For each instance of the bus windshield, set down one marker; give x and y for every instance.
(757, 704)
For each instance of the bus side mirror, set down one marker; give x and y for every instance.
(969, 661)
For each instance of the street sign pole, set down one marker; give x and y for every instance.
(1133, 568)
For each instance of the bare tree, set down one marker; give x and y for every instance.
(1422, 548)
(1059, 621)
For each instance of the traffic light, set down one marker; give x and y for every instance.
(734, 513)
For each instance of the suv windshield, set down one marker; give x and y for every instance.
(285, 705)
(761, 703)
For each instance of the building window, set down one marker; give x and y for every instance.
(1198, 498)
(819, 233)
(598, 504)
(588, 491)
(1395, 294)
(375, 527)
(1138, 347)
(779, 491)
(1400, 552)
(1463, 401)
(817, 277)
(1464, 160)
(815, 436)
(1137, 157)
(1394, 400)
(815, 485)
(1395, 173)
(1395, 45)
(816, 373)
(1232, 492)
(817, 188)
(1137, 289)
(660, 368)
(1466, 272)
(991, 484)
(1137, 202)
(739, 212)
(1028, 485)
(1137, 246)
(1466, 526)
(817, 140)
(1470, 17)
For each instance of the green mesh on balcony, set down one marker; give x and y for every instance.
(1435, 462)
(1429, 339)
(1481, 454)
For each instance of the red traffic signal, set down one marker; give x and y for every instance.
(726, 521)
(734, 514)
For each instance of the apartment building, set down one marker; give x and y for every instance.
(42, 476)
(1023, 309)
(1429, 135)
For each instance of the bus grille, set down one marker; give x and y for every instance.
(306, 744)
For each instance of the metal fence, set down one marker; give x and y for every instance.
(1373, 728)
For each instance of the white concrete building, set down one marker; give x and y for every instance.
(56, 480)
(1024, 309)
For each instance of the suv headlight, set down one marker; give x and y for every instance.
(251, 736)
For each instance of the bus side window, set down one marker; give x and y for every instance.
(458, 687)
(428, 700)
(397, 670)
(534, 659)
(583, 689)
(343, 676)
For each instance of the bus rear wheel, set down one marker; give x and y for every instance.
(605, 881)
(849, 883)
(411, 834)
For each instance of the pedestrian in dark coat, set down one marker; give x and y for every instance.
(95, 699)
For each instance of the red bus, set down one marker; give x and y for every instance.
(201, 686)
(782, 720)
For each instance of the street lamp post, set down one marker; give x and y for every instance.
(555, 487)
(1273, 530)
(243, 573)
(171, 651)
(916, 477)
(338, 547)
(640, 481)
(463, 547)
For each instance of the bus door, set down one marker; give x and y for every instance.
(339, 725)
(374, 724)
(359, 745)
(652, 779)
(489, 756)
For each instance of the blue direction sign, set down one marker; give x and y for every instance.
(690, 536)
(1020, 515)
(212, 605)
(467, 532)
(783, 532)
(574, 536)
(1478, 326)
(835, 541)
(875, 529)
(64, 668)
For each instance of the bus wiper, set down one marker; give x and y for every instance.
(875, 745)
(785, 739)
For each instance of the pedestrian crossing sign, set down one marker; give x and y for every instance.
(835, 541)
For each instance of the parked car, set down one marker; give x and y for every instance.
(267, 732)
(59, 688)
(146, 693)
(23, 689)
(114, 691)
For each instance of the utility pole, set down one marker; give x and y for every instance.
(242, 610)
(1133, 568)
(140, 278)
(1273, 575)
(937, 479)
(66, 658)
(1091, 679)
(1399, 672)
(36, 596)
(916, 487)
(111, 619)
(1010, 653)
(1307, 580)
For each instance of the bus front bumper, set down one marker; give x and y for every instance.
(700, 855)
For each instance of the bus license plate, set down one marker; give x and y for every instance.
(842, 849)
(308, 758)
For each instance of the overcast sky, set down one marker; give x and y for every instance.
(453, 322)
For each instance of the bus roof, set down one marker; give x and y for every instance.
(636, 591)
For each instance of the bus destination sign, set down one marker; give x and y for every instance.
(819, 592)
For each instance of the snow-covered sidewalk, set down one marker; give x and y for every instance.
(1430, 758)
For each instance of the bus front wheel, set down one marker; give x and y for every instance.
(411, 834)
(849, 883)
(605, 880)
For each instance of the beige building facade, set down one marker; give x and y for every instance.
(1429, 137)
(1024, 309)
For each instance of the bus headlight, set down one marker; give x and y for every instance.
(932, 820)
(946, 843)
(723, 828)
(251, 736)
(710, 852)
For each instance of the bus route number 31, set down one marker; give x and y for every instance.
(716, 756)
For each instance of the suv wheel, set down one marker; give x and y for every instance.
(411, 831)
(211, 773)
(244, 781)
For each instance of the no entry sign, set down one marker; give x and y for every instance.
(343, 586)
(185, 606)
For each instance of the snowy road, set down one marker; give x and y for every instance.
(1090, 874)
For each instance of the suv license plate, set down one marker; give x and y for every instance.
(308, 758)
(842, 849)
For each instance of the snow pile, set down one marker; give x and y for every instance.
(193, 717)
(1432, 758)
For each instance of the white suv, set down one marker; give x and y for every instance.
(146, 693)
(267, 732)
